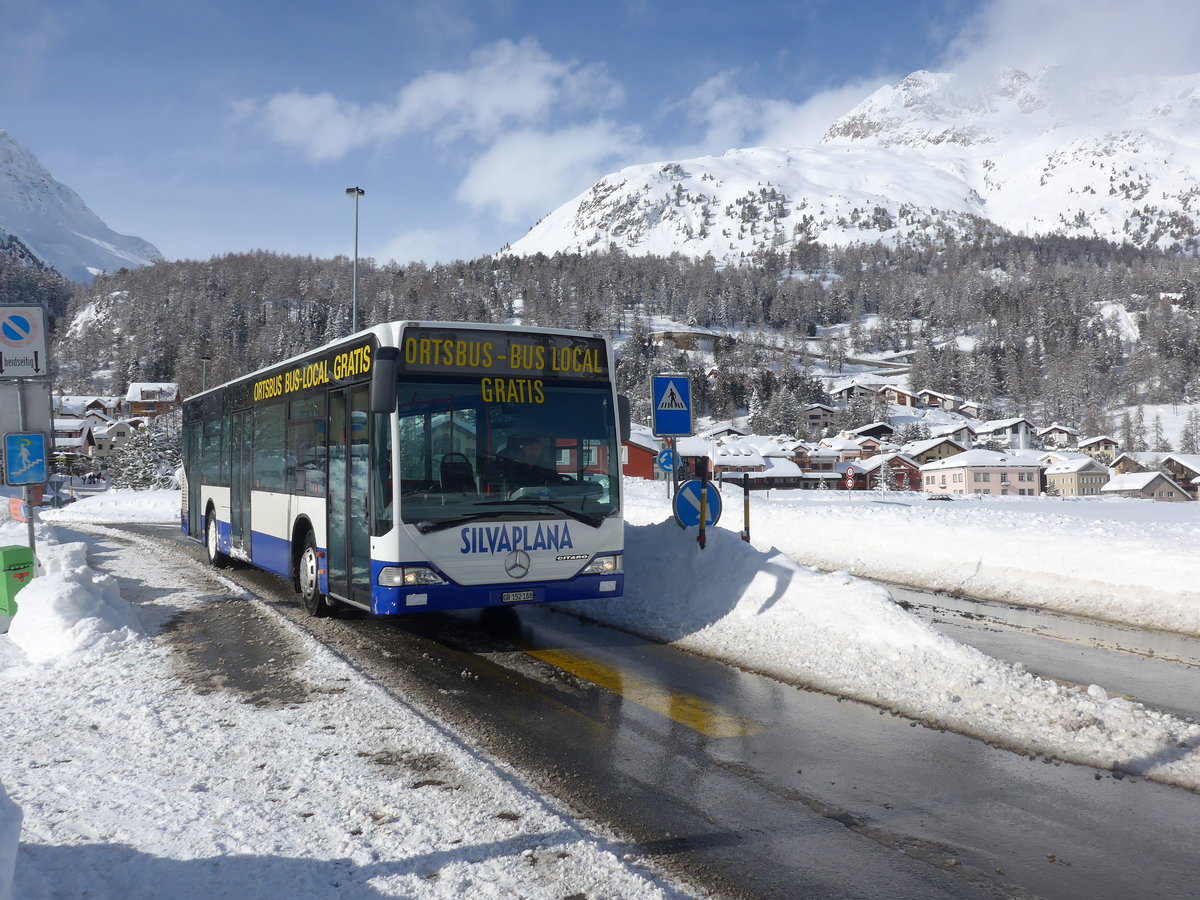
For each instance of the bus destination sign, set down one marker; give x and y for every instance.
(453, 351)
(315, 373)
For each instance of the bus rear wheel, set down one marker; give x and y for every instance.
(307, 577)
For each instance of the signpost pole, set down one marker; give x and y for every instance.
(26, 490)
(746, 505)
(700, 538)
(673, 481)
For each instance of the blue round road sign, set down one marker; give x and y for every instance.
(687, 504)
(667, 459)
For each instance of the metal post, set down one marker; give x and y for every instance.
(746, 506)
(357, 192)
(26, 490)
(700, 538)
(676, 464)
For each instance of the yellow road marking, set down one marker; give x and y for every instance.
(693, 712)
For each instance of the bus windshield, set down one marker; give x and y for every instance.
(466, 455)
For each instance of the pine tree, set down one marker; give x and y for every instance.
(148, 459)
(1189, 438)
(1139, 431)
(886, 481)
(1159, 442)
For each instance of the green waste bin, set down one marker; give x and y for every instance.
(16, 569)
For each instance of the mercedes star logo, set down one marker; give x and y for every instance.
(516, 564)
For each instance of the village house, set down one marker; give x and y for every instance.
(1055, 435)
(73, 439)
(110, 437)
(735, 457)
(846, 391)
(640, 452)
(936, 400)
(1130, 461)
(818, 417)
(974, 409)
(150, 399)
(1146, 486)
(845, 447)
(1102, 448)
(781, 472)
(1184, 469)
(823, 459)
(933, 449)
(898, 396)
(78, 407)
(983, 472)
(963, 434)
(1081, 477)
(695, 456)
(906, 474)
(1014, 434)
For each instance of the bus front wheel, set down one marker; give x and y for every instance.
(315, 603)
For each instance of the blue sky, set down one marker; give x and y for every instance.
(209, 126)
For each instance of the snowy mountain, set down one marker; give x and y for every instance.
(930, 155)
(55, 224)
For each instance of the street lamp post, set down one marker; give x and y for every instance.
(204, 361)
(357, 192)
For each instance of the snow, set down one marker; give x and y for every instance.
(131, 783)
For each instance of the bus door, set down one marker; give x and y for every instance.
(239, 486)
(195, 515)
(349, 550)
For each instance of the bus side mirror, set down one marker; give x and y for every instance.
(383, 379)
(623, 416)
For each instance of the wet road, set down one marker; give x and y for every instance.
(747, 787)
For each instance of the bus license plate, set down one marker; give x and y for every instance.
(516, 596)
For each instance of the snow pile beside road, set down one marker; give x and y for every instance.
(70, 610)
(762, 610)
(119, 506)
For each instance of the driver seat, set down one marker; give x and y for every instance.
(457, 474)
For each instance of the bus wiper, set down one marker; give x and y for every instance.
(591, 521)
(425, 526)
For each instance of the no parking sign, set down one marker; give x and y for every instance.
(22, 342)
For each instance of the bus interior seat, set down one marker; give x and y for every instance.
(457, 474)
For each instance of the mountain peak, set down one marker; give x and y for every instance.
(55, 224)
(933, 154)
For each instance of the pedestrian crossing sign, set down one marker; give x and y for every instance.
(25, 459)
(671, 402)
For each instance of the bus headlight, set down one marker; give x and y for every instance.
(608, 564)
(408, 576)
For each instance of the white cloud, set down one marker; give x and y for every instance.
(526, 173)
(317, 124)
(1084, 38)
(430, 245)
(731, 119)
(505, 85)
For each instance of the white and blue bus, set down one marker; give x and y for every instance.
(417, 466)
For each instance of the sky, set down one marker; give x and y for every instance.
(86, 647)
(209, 126)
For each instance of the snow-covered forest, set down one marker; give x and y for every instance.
(1055, 328)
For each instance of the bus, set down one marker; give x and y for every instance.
(417, 466)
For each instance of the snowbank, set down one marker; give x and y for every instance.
(763, 611)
